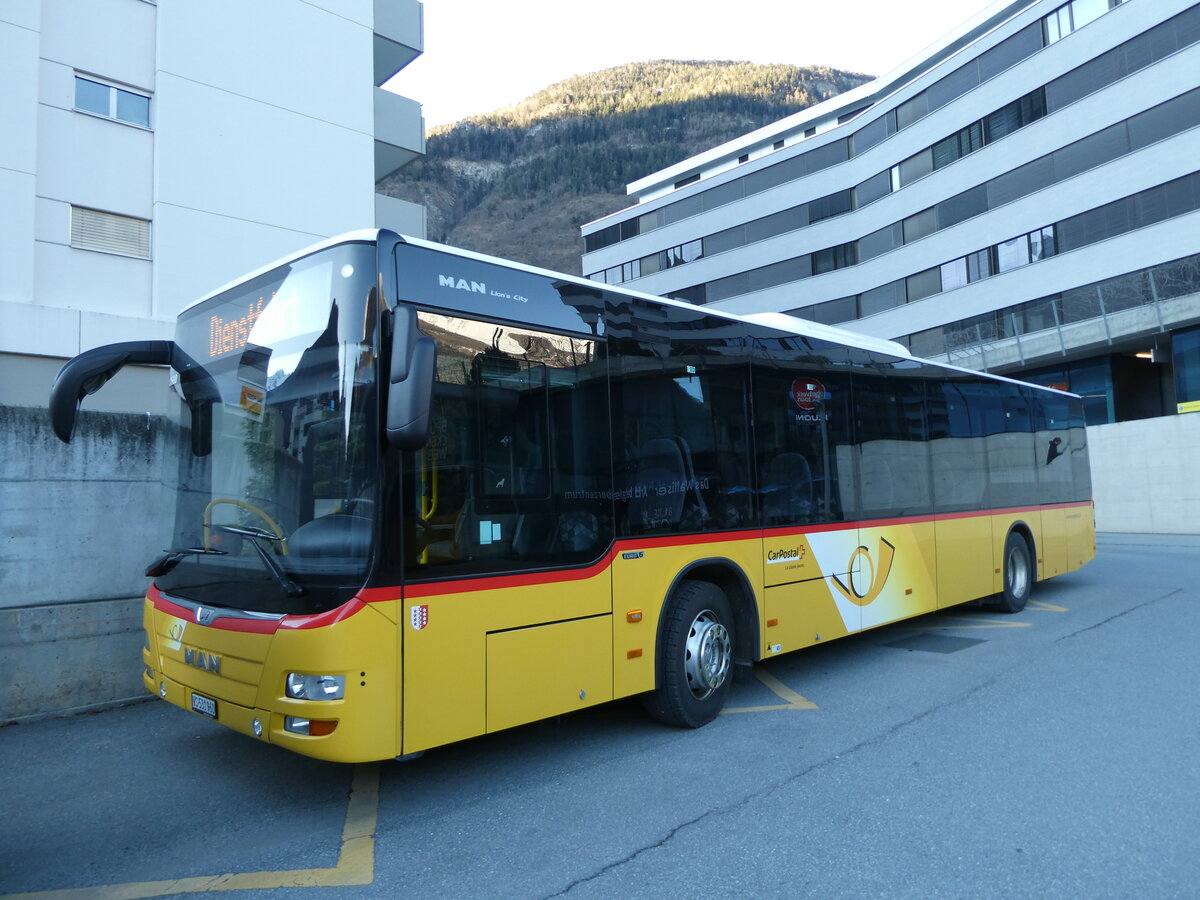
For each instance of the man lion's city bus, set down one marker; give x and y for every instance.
(424, 494)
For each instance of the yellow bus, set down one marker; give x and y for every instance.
(424, 494)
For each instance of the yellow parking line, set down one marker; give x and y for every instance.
(976, 622)
(355, 865)
(1048, 607)
(754, 709)
(781, 690)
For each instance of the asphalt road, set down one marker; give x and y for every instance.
(966, 754)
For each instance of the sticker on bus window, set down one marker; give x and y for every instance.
(807, 393)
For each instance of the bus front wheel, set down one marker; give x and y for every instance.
(1018, 574)
(695, 657)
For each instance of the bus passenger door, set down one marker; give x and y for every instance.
(508, 597)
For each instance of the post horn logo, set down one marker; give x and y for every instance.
(878, 577)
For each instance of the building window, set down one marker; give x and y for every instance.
(112, 102)
(1012, 254)
(979, 265)
(107, 232)
(954, 274)
(1074, 15)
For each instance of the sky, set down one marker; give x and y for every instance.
(481, 55)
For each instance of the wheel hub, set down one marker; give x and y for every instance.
(708, 655)
(1018, 572)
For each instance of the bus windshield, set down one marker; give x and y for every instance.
(275, 491)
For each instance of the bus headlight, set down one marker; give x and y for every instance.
(316, 687)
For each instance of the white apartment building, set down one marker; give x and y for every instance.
(154, 151)
(1022, 197)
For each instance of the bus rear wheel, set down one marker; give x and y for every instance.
(1018, 575)
(695, 657)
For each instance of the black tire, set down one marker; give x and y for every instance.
(1019, 574)
(695, 657)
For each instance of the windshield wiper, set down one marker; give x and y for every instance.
(171, 558)
(256, 534)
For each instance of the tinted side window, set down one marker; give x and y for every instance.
(1012, 475)
(893, 467)
(681, 428)
(958, 454)
(802, 427)
(516, 474)
(1053, 448)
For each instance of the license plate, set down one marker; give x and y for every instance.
(206, 706)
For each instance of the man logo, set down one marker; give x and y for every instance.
(209, 662)
(878, 575)
(461, 284)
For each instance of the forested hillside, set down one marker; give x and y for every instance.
(518, 182)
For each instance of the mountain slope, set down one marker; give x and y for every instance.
(518, 182)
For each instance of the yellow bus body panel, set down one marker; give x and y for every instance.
(964, 559)
(643, 572)
(1080, 523)
(1053, 549)
(534, 673)
(799, 615)
(445, 662)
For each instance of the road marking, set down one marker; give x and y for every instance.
(780, 690)
(976, 623)
(1047, 607)
(355, 865)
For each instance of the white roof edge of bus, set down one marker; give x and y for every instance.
(366, 235)
(776, 320)
(779, 321)
(784, 322)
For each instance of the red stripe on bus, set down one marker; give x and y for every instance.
(263, 626)
(325, 619)
(519, 579)
(526, 579)
(246, 626)
(558, 576)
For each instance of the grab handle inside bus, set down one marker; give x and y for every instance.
(410, 382)
(91, 370)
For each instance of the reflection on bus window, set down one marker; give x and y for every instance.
(516, 474)
(805, 454)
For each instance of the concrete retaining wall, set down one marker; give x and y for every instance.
(79, 523)
(1144, 475)
(70, 656)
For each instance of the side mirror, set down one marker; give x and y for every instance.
(90, 370)
(410, 382)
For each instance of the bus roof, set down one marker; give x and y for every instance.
(776, 320)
